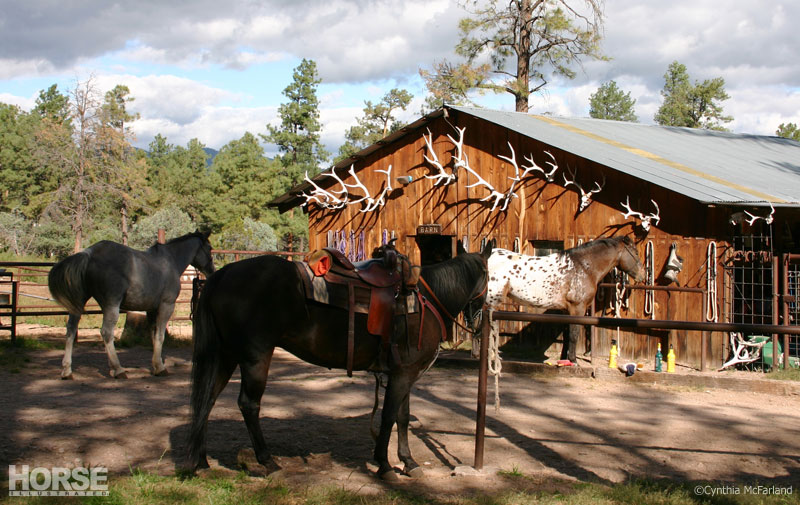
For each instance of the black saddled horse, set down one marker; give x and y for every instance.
(250, 307)
(121, 278)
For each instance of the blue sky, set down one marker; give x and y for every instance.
(198, 71)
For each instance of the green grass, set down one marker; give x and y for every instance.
(790, 374)
(144, 488)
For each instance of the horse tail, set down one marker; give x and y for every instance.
(205, 362)
(67, 284)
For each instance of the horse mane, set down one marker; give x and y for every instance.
(447, 278)
(587, 247)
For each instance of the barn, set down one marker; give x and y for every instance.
(715, 216)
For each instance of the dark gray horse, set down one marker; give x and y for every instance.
(121, 278)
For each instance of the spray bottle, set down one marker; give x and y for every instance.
(612, 355)
(659, 358)
(671, 360)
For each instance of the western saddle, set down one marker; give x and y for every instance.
(381, 287)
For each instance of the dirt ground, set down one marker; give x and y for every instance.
(317, 422)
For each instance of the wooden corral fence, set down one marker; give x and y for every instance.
(24, 291)
(606, 322)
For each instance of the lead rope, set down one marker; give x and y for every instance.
(495, 365)
(711, 283)
(650, 269)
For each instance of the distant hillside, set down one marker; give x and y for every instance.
(211, 154)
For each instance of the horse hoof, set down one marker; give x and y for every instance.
(415, 473)
(123, 375)
(389, 476)
(67, 377)
(248, 462)
(162, 373)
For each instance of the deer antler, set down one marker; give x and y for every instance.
(514, 180)
(549, 176)
(586, 197)
(645, 219)
(498, 197)
(442, 176)
(767, 219)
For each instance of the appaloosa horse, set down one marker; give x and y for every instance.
(121, 278)
(565, 280)
(248, 308)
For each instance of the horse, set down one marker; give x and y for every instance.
(121, 278)
(248, 308)
(565, 280)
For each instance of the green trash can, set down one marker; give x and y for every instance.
(766, 352)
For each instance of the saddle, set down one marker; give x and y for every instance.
(374, 287)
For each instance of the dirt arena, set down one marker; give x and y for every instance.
(317, 422)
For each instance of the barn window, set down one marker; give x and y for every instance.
(749, 273)
(546, 247)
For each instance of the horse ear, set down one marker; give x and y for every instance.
(460, 248)
(204, 233)
(487, 250)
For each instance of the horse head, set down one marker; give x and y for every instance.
(202, 258)
(473, 312)
(629, 260)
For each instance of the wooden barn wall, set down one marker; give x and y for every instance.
(543, 211)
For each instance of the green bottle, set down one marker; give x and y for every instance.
(659, 357)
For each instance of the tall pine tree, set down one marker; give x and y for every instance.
(610, 102)
(691, 105)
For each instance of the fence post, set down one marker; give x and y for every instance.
(162, 235)
(483, 372)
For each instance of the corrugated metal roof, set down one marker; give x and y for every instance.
(709, 166)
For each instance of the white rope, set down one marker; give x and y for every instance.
(711, 283)
(620, 294)
(495, 365)
(650, 269)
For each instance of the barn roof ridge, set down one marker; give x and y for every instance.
(712, 167)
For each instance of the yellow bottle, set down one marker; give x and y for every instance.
(671, 360)
(612, 355)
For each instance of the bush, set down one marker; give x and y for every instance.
(248, 235)
(173, 220)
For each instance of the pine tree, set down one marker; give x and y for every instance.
(377, 122)
(298, 136)
(691, 105)
(788, 131)
(610, 102)
(537, 36)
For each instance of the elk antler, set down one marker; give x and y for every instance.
(767, 219)
(498, 197)
(324, 198)
(586, 197)
(381, 198)
(549, 176)
(442, 176)
(645, 219)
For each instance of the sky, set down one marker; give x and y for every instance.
(213, 71)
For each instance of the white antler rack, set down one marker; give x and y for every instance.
(586, 197)
(323, 198)
(442, 176)
(549, 176)
(767, 219)
(646, 220)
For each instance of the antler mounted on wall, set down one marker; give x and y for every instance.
(323, 198)
(645, 219)
(549, 176)
(442, 176)
(586, 197)
(767, 219)
(329, 200)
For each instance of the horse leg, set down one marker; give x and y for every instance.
(396, 393)
(110, 317)
(72, 335)
(574, 332)
(254, 380)
(162, 317)
(222, 374)
(410, 468)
